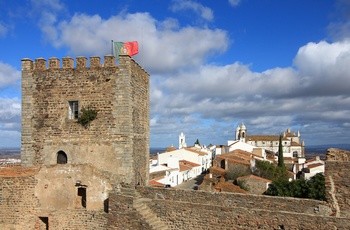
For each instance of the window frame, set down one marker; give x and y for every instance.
(73, 110)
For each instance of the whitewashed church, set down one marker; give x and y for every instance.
(293, 146)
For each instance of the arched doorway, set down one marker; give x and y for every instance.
(62, 157)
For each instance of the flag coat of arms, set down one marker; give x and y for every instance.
(128, 48)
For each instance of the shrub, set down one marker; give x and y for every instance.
(86, 116)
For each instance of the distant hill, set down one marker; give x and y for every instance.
(10, 153)
(323, 148)
(154, 151)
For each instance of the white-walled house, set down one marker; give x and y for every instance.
(181, 164)
(312, 167)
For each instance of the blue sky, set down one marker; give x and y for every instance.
(272, 64)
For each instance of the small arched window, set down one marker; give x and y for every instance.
(62, 157)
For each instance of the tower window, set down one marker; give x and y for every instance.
(73, 110)
(62, 157)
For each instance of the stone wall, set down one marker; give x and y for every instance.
(17, 200)
(123, 215)
(21, 207)
(116, 142)
(337, 175)
(187, 215)
(186, 209)
(283, 204)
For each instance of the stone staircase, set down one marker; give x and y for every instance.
(140, 205)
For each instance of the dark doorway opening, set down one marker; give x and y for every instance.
(222, 164)
(106, 205)
(61, 157)
(44, 223)
(82, 195)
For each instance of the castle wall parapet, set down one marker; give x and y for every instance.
(67, 63)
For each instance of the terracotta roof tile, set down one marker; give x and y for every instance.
(196, 151)
(156, 183)
(314, 165)
(295, 144)
(192, 164)
(254, 177)
(263, 138)
(170, 149)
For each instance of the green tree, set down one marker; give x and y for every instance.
(280, 153)
(317, 187)
(312, 189)
(269, 171)
(197, 142)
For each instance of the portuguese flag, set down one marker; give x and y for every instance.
(128, 48)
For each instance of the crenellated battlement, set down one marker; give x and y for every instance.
(67, 63)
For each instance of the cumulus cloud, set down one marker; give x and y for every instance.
(10, 122)
(324, 67)
(314, 93)
(234, 2)
(9, 76)
(48, 11)
(207, 100)
(204, 12)
(163, 46)
(339, 28)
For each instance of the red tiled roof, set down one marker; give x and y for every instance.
(196, 151)
(217, 170)
(156, 183)
(238, 161)
(169, 149)
(187, 165)
(290, 135)
(184, 167)
(254, 177)
(314, 165)
(192, 164)
(295, 144)
(262, 138)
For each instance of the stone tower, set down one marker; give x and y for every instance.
(115, 143)
(241, 133)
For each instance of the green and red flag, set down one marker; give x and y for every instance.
(129, 48)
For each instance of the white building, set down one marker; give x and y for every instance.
(179, 165)
(312, 167)
(292, 144)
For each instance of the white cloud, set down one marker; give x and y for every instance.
(205, 12)
(324, 67)
(205, 99)
(48, 5)
(313, 94)
(10, 114)
(10, 122)
(9, 76)
(3, 30)
(234, 2)
(162, 49)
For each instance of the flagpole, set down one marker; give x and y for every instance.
(142, 46)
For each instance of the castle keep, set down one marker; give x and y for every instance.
(95, 176)
(116, 142)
